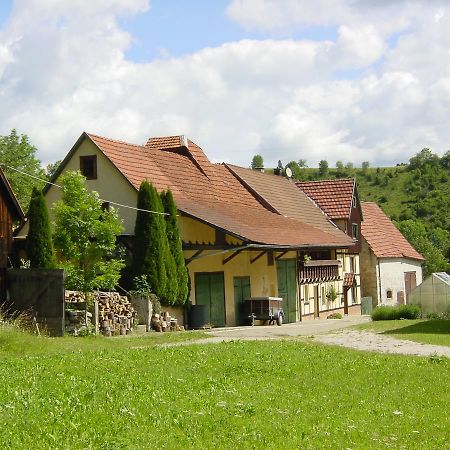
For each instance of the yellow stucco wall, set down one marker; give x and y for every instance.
(263, 278)
(194, 231)
(110, 184)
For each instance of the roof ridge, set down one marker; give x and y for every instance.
(326, 181)
(92, 135)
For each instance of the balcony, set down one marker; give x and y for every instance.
(318, 270)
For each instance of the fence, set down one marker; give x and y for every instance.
(42, 292)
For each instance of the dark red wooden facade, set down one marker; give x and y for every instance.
(10, 212)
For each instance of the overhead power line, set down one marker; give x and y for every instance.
(103, 200)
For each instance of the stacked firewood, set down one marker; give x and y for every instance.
(164, 322)
(115, 313)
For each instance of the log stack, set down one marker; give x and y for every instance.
(115, 313)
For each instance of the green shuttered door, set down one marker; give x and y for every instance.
(241, 292)
(210, 291)
(287, 287)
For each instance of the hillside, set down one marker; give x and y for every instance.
(416, 196)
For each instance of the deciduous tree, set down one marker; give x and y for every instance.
(17, 151)
(257, 162)
(85, 237)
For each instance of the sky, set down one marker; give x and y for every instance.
(348, 80)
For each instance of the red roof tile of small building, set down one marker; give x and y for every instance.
(334, 197)
(210, 192)
(383, 237)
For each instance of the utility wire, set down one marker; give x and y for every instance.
(103, 200)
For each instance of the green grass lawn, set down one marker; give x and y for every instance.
(426, 331)
(268, 395)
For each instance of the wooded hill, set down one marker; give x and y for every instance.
(416, 196)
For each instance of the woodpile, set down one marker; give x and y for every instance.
(113, 313)
(164, 322)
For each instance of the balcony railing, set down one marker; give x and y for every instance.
(318, 270)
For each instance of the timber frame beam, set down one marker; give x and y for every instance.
(194, 256)
(252, 260)
(233, 255)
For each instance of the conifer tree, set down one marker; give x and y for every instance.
(175, 247)
(40, 249)
(150, 244)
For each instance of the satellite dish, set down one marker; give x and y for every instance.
(288, 172)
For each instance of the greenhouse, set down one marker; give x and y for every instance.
(433, 295)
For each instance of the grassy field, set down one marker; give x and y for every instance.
(268, 395)
(426, 331)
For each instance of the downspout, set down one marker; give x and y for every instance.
(379, 281)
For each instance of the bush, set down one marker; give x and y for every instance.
(438, 316)
(396, 312)
(335, 316)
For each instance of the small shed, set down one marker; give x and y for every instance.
(433, 295)
(10, 212)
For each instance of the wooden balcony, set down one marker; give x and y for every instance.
(318, 270)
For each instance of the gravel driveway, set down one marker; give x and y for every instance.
(327, 331)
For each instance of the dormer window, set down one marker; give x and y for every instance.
(355, 231)
(88, 167)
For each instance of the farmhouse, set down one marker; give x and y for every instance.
(390, 267)
(235, 242)
(339, 200)
(10, 212)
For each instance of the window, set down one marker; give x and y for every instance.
(352, 264)
(88, 167)
(389, 294)
(355, 231)
(354, 202)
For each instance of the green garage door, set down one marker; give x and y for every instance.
(287, 287)
(210, 291)
(241, 292)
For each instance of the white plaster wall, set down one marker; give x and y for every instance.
(392, 276)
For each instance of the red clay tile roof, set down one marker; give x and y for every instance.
(382, 236)
(210, 192)
(332, 196)
(283, 197)
(166, 142)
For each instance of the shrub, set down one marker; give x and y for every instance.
(335, 316)
(396, 312)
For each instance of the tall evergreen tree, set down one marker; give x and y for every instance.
(40, 249)
(175, 247)
(150, 244)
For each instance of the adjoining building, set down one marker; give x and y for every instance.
(390, 266)
(10, 212)
(339, 200)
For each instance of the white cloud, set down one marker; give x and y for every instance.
(63, 70)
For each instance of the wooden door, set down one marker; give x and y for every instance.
(410, 282)
(241, 292)
(287, 287)
(316, 301)
(210, 291)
